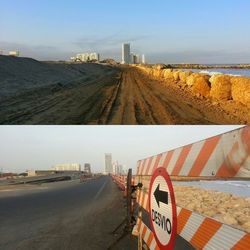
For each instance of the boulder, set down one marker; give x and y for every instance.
(168, 74)
(176, 75)
(200, 84)
(162, 73)
(157, 72)
(183, 75)
(221, 87)
(229, 219)
(241, 89)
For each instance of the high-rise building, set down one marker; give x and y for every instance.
(126, 53)
(87, 168)
(143, 59)
(108, 164)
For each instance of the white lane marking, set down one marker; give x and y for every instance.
(100, 190)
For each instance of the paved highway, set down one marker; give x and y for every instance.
(69, 215)
(65, 215)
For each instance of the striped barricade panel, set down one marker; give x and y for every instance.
(120, 181)
(200, 231)
(225, 155)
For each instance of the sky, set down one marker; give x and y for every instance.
(166, 31)
(41, 147)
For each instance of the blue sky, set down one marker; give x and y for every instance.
(208, 31)
(40, 147)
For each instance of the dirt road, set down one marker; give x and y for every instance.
(123, 96)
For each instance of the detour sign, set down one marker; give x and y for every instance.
(162, 209)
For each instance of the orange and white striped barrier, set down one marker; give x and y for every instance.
(226, 155)
(121, 181)
(200, 231)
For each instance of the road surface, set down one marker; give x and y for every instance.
(124, 96)
(65, 215)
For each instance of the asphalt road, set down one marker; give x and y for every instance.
(65, 215)
(69, 215)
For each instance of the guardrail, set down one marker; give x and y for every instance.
(224, 157)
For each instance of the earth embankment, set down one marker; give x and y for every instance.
(102, 94)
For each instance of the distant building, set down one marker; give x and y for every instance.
(134, 59)
(108, 164)
(87, 168)
(86, 57)
(143, 59)
(94, 56)
(115, 168)
(1, 52)
(14, 53)
(67, 167)
(126, 53)
(120, 169)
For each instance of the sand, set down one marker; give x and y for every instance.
(61, 94)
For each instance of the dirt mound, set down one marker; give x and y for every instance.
(18, 75)
(220, 87)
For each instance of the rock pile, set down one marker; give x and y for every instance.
(218, 87)
(223, 207)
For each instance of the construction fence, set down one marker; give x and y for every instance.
(224, 157)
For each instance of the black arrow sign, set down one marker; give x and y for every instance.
(160, 196)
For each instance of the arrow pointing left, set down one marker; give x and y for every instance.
(160, 196)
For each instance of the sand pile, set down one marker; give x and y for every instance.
(199, 83)
(223, 207)
(18, 75)
(241, 89)
(221, 87)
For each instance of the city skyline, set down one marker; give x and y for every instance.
(40, 148)
(167, 32)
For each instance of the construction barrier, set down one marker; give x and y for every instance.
(121, 181)
(223, 156)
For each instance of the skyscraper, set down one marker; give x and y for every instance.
(108, 164)
(126, 53)
(143, 59)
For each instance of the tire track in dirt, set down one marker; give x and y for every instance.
(124, 96)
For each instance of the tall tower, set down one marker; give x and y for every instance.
(108, 164)
(143, 59)
(126, 53)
